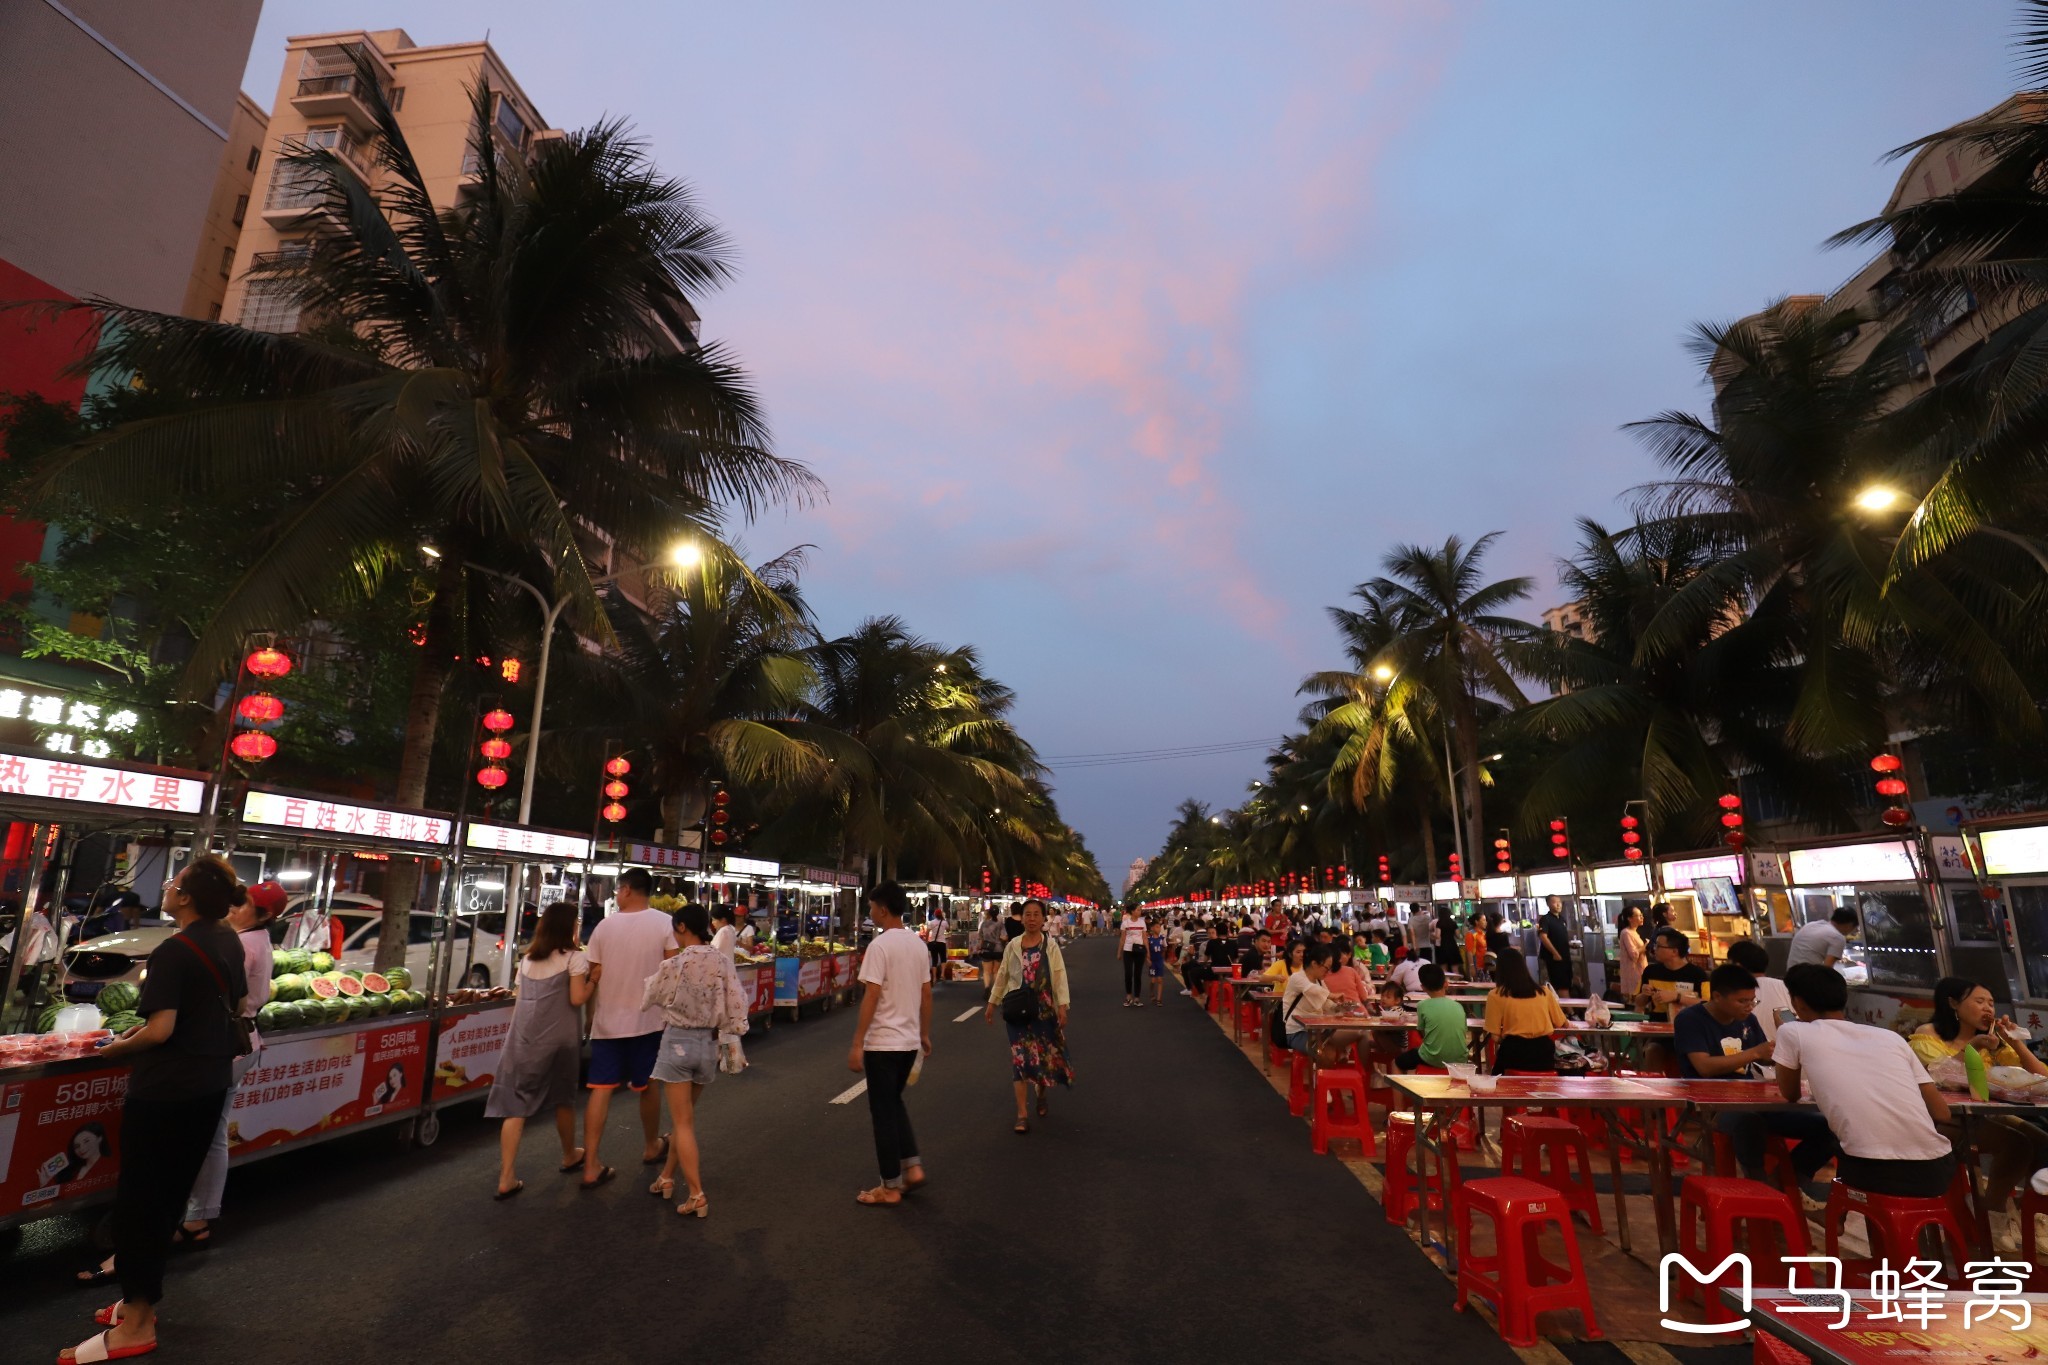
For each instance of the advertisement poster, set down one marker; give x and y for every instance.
(300, 1086)
(828, 974)
(787, 971)
(810, 980)
(763, 985)
(467, 1057)
(57, 1136)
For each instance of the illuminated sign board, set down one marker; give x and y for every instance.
(541, 843)
(1496, 888)
(752, 867)
(317, 815)
(57, 779)
(654, 855)
(1619, 881)
(2014, 852)
(1443, 891)
(64, 723)
(1853, 864)
(1551, 884)
(1681, 873)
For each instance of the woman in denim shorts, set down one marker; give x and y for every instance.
(701, 1004)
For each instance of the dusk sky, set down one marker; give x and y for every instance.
(1129, 336)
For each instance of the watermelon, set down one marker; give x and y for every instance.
(322, 962)
(323, 989)
(118, 997)
(375, 984)
(121, 1023)
(337, 1010)
(348, 986)
(47, 1020)
(291, 986)
(292, 1014)
(267, 1016)
(400, 978)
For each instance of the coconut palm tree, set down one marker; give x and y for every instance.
(718, 678)
(479, 378)
(1447, 632)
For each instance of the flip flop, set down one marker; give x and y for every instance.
(96, 1276)
(659, 1156)
(575, 1165)
(108, 1316)
(96, 1349)
(604, 1176)
(517, 1186)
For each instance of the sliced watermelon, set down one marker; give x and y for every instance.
(324, 989)
(375, 984)
(349, 986)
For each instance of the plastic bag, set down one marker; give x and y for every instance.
(1950, 1074)
(732, 1059)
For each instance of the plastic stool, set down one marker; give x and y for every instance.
(1215, 995)
(1297, 1083)
(1276, 1047)
(1250, 1018)
(1516, 1279)
(1463, 1132)
(1333, 1085)
(1398, 1192)
(1544, 1150)
(1723, 1202)
(1777, 1160)
(1380, 1090)
(1771, 1351)
(1894, 1224)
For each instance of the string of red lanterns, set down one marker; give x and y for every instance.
(495, 749)
(260, 708)
(1892, 788)
(1561, 838)
(615, 789)
(1731, 822)
(1631, 838)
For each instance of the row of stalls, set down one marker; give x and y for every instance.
(345, 1046)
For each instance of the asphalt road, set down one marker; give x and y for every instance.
(1169, 1210)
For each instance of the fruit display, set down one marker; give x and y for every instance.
(811, 948)
(304, 993)
(28, 1049)
(118, 997)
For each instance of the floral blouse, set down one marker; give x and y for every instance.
(698, 988)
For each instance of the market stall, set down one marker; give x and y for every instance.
(678, 878)
(1894, 961)
(1709, 900)
(1994, 876)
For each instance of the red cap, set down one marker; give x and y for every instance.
(269, 897)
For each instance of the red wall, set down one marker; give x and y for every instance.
(34, 350)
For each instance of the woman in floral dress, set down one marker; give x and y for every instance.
(1038, 1050)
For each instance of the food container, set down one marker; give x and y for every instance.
(1482, 1085)
(1461, 1071)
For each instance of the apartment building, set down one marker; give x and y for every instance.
(1944, 344)
(1570, 619)
(234, 184)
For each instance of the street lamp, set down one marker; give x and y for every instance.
(1878, 498)
(1383, 673)
(685, 554)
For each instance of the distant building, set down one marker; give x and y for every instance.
(1136, 874)
(1570, 619)
(220, 235)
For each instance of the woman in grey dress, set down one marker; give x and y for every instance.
(538, 1069)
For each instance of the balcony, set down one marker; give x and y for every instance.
(335, 96)
(295, 194)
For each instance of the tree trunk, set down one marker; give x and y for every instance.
(1466, 739)
(422, 720)
(1422, 816)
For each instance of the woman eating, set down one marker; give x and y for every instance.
(1521, 1018)
(1966, 1016)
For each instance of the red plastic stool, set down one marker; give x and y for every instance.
(1251, 1016)
(1380, 1090)
(1335, 1084)
(1723, 1202)
(1297, 1083)
(1777, 1160)
(1398, 1194)
(1771, 1351)
(1464, 1134)
(1516, 1279)
(1545, 1150)
(1215, 996)
(1894, 1225)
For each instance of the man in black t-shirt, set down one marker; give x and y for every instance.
(1671, 970)
(1554, 942)
(1720, 1039)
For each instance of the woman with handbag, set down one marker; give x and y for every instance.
(1031, 990)
(183, 1054)
(703, 1013)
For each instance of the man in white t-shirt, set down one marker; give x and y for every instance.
(1877, 1097)
(895, 1026)
(1823, 941)
(624, 950)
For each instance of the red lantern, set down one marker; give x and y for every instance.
(618, 767)
(615, 812)
(496, 750)
(498, 720)
(253, 746)
(1560, 853)
(1896, 817)
(1732, 820)
(1887, 763)
(492, 777)
(1557, 825)
(719, 817)
(616, 790)
(1629, 822)
(1891, 786)
(268, 663)
(1735, 839)
(260, 708)
(1631, 837)
(721, 798)
(717, 837)
(1632, 853)
(1730, 801)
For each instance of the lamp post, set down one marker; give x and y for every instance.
(683, 555)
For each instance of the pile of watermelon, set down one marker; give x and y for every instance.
(117, 1001)
(305, 993)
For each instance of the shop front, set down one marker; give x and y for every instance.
(2000, 899)
(1708, 900)
(1898, 952)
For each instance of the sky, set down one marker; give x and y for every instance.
(1128, 337)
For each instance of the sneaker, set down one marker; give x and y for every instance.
(1813, 1206)
(1187, 993)
(1137, 1004)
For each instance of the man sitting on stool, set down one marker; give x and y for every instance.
(1720, 1039)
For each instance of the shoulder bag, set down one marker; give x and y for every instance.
(243, 1025)
(1020, 1004)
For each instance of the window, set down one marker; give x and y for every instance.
(227, 261)
(255, 153)
(241, 208)
(509, 124)
(397, 100)
(270, 306)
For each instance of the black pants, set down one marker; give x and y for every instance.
(1515, 1053)
(1559, 970)
(895, 1144)
(163, 1144)
(1750, 1134)
(1134, 971)
(1905, 1179)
